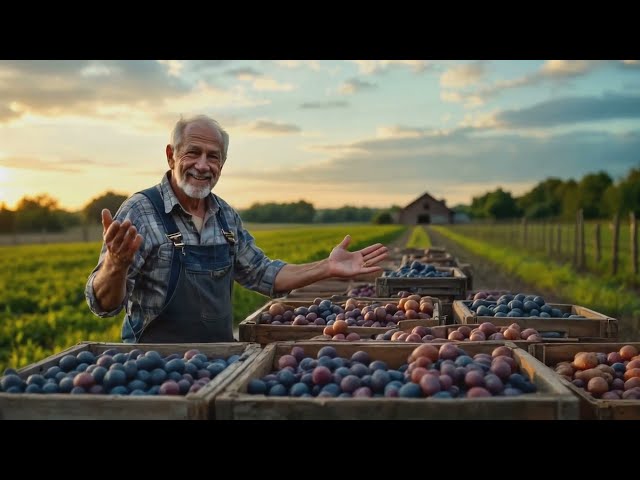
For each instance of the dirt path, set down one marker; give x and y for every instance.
(487, 275)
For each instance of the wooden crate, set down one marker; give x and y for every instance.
(398, 253)
(552, 401)
(467, 269)
(323, 289)
(388, 264)
(442, 332)
(439, 261)
(594, 326)
(193, 406)
(450, 288)
(251, 330)
(590, 408)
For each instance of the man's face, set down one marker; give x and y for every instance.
(197, 164)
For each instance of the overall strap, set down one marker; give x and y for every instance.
(226, 231)
(153, 194)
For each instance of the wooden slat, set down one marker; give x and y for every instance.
(596, 325)
(193, 406)
(453, 287)
(552, 401)
(590, 407)
(250, 330)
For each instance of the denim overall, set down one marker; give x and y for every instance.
(197, 308)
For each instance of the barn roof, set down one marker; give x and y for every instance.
(426, 196)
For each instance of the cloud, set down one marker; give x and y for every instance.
(174, 67)
(259, 81)
(33, 163)
(369, 67)
(49, 88)
(462, 75)
(293, 64)
(469, 101)
(272, 128)
(573, 110)
(324, 105)
(568, 68)
(422, 161)
(550, 71)
(355, 85)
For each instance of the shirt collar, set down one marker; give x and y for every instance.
(170, 199)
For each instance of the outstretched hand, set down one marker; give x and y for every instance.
(343, 263)
(122, 239)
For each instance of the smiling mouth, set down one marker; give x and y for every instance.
(200, 178)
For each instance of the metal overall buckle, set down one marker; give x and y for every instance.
(176, 238)
(231, 238)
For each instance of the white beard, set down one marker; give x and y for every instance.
(194, 191)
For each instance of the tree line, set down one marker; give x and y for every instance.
(42, 213)
(596, 194)
(554, 199)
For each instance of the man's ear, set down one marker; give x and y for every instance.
(170, 160)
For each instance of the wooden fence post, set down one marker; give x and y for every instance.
(576, 241)
(598, 252)
(524, 232)
(559, 241)
(550, 240)
(633, 227)
(582, 258)
(614, 253)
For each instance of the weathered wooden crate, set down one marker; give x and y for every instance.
(251, 330)
(590, 408)
(353, 284)
(450, 288)
(552, 401)
(594, 326)
(439, 261)
(388, 264)
(323, 289)
(442, 332)
(193, 406)
(399, 252)
(467, 269)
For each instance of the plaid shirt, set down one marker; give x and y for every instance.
(148, 276)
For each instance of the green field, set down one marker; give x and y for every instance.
(602, 293)
(557, 242)
(42, 304)
(419, 238)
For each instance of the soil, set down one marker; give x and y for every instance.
(487, 275)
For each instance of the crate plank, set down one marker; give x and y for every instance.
(552, 401)
(193, 406)
(251, 330)
(453, 287)
(595, 325)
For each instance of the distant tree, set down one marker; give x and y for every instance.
(111, 200)
(298, 212)
(39, 213)
(7, 219)
(590, 192)
(383, 218)
(501, 205)
(544, 200)
(570, 200)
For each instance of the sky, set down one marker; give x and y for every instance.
(370, 133)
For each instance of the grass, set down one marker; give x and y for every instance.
(419, 238)
(603, 295)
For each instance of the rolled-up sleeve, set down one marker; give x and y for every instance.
(253, 269)
(138, 262)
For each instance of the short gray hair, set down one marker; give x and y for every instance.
(181, 125)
